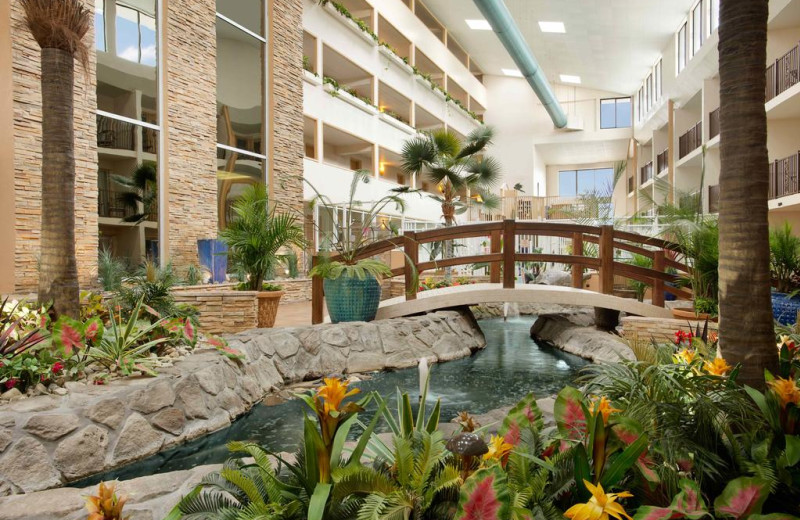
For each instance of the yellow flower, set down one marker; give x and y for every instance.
(333, 392)
(603, 407)
(685, 356)
(718, 367)
(600, 506)
(786, 390)
(105, 505)
(498, 448)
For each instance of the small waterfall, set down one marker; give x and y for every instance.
(510, 309)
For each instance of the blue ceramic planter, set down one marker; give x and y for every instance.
(351, 299)
(784, 309)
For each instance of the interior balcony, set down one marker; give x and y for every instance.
(425, 120)
(390, 168)
(394, 39)
(341, 74)
(394, 105)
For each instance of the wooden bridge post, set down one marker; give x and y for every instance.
(509, 252)
(658, 283)
(317, 295)
(496, 242)
(577, 269)
(411, 250)
(607, 259)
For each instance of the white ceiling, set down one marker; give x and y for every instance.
(610, 44)
(584, 152)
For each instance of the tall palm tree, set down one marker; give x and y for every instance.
(59, 28)
(460, 170)
(457, 168)
(746, 327)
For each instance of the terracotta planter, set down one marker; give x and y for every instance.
(268, 308)
(689, 314)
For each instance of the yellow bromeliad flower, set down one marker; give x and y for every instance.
(603, 406)
(685, 356)
(332, 393)
(718, 367)
(601, 506)
(498, 448)
(786, 390)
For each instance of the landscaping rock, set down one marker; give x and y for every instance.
(285, 345)
(171, 420)
(193, 398)
(136, 440)
(12, 395)
(27, 466)
(555, 277)
(156, 396)
(211, 379)
(51, 427)
(582, 340)
(109, 412)
(231, 403)
(83, 453)
(5, 439)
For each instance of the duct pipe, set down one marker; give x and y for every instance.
(498, 16)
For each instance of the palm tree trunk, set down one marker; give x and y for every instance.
(58, 272)
(746, 327)
(448, 211)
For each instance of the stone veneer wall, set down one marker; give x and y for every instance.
(191, 119)
(48, 440)
(26, 73)
(222, 311)
(663, 331)
(286, 95)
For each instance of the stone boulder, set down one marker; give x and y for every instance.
(576, 334)
(554, 277)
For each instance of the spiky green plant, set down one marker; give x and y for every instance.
(110, 270)
(784, 256)
(640, 287)
(258, 234)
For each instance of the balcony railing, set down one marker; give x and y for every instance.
(662, 161)
(713, 124)
(691, 140)
(647, 172)
(784, 73)
(783, 177)
(122, 135)
(111, 204)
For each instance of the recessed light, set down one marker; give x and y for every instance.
(479, 25)
(515, 73)
(566, 78)
(552, 27)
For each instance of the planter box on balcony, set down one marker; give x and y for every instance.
(396, 59)
(312, 78)
(427, 84)
(398, 124)
(349, 98)
(350, 24)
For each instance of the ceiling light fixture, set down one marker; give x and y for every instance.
(479, 25)
(514, 73)
(552, 27)
(566, 78)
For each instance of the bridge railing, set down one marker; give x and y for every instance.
(503, 256)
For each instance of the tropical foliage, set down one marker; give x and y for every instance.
(784, 250)
(259, 235)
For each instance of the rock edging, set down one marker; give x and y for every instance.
(576, 334)
(49, 440)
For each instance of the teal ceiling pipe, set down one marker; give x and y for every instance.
(498, 16)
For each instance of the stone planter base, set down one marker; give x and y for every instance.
(688, 313)
(268, 302)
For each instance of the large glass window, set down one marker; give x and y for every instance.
(682, 48)
(658, 80)
(128, 128)
(99, 26)
(615, 113)
(573, 183)
(713, 15)
(241, 48)
(698, 31)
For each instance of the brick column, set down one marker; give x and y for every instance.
(190, 123)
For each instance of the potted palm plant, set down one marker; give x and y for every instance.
(699, 241)
(784, 262)
(351, 280)
(255, 239)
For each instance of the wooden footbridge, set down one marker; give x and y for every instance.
(503, 256)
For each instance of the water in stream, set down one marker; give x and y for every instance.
(510, 366)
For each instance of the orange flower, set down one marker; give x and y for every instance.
(498, 448)
(719, 367)
(603, 407)
(685, 356)
(105, 505)
(786, 390)
(333, 392)
(601, 506)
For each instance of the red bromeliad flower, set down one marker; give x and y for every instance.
(11, 383)
(683, 338)
(57, 367)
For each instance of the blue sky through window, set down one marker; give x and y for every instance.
(136, 36)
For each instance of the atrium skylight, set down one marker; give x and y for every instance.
(512, 72)
(479, 25)
(552, 27)
(566, 78)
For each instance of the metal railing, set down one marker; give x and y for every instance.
(784, 73)
(691, 140)
(783, 177)
(713, 124)
(662, 161)
(647, 172)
